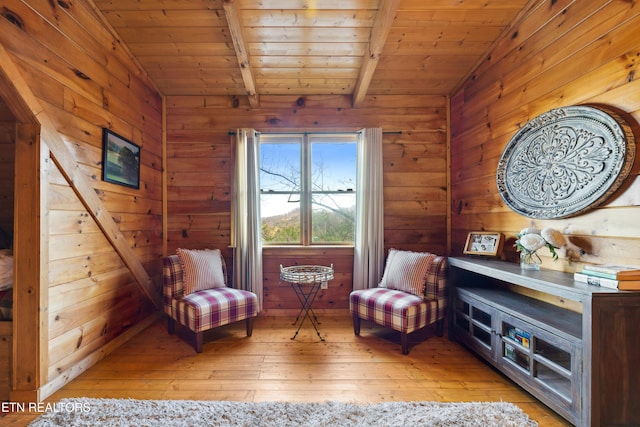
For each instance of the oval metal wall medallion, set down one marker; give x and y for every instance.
(565, 162)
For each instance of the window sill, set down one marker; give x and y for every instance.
(307, 250)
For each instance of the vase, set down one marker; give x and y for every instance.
(530, 261)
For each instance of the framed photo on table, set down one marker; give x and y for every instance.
(484, 243)
(120, 160)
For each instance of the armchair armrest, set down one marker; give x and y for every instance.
(436, 283)
(172, 281)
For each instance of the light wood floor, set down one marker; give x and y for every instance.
(270, 366)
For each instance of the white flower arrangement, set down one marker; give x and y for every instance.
(531, 239)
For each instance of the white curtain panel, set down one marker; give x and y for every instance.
(245, 233)
(368, 263)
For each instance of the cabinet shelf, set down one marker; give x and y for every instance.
(548, 364)
(553, 357)
(565, 323)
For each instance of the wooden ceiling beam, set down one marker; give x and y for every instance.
(379, 33)
(242, 50)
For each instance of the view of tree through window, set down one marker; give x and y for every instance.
(308, 188)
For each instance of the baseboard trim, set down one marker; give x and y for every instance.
(289, 312)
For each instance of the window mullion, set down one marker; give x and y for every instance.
(305, 202)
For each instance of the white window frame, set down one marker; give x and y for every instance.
(306, 190)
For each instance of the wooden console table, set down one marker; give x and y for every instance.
(574, 346)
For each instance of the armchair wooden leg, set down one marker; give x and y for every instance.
(171, 325)
(249, 326)
(198, 343)
(404, 342)
(440, 327)
(356, 324)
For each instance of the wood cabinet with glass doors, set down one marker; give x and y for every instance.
(573, 346)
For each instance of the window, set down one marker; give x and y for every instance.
(308, 188)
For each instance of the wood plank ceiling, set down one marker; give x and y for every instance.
(310, 47)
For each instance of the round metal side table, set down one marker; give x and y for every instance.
(306, 281)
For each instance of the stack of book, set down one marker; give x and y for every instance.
(621, 277)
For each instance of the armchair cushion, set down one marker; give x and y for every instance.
(202, 269)
(210, 308)
(398, 310)
(407, 271)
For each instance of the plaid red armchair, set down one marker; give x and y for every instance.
(205, 309)
(400, 304)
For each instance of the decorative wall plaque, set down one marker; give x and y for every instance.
(565, 162)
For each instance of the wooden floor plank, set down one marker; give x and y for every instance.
(269, 366)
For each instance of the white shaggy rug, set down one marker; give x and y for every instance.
(189, 413)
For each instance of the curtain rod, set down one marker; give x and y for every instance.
(399, 132)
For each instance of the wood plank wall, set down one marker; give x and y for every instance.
(562, 53)
(7, 160)
(85, 81)
(199, 173)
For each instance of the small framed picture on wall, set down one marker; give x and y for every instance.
(120, 160)
(484, 243)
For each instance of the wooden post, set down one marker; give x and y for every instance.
(27, 293)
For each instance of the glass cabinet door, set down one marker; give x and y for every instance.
(474, 324)
(516, 344)
(541, 359)
(552, 367)
(481, 326)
